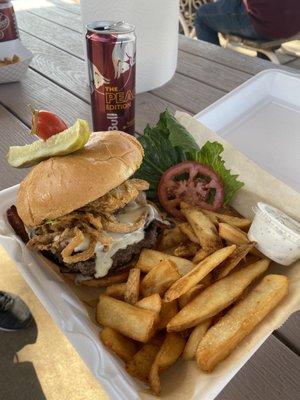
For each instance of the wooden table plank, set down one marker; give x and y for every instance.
(226, 57)
(290, 332)
(148, 108)
(216, 75)
(271, 374)
(294, 64)
(71, 7)
(66, 70)
(65, 39)
(44, 94)
(189, 93)
(13, 132)
(59, 16)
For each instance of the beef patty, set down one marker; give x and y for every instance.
(121, 258)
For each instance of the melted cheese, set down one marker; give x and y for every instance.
(120, 241)
(83, 245)
(128, 215)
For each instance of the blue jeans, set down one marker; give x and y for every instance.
(225, 16)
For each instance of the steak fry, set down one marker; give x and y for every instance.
(203, 228)
(216, 297)
(230, 330)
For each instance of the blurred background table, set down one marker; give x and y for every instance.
(51, 29)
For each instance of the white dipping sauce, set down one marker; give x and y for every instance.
(277, 235)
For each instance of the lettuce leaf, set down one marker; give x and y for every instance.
(169, 143)
(178, 135)
(159, 156)
(210, 154)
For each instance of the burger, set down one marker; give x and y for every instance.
(85, 211)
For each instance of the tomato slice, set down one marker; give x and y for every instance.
(192, 182)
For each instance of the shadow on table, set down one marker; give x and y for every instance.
(18, 380)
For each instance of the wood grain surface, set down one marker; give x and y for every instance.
(59, 16)
(227, 57)
(37, 90)
(51, 33)
(13, 131)
(212, 74)
(67, 5)
(271, 374)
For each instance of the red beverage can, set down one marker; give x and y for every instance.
(111, 53)
(8, 23)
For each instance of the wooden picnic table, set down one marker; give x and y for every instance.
(56, 81)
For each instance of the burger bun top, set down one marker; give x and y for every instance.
(60, 185)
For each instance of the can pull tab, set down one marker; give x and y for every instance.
(114, 25)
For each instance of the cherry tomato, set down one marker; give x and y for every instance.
(192, 182)
(46, 124)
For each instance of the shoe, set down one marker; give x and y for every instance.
(14, 313)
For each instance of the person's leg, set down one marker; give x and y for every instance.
(206, 14)
(14, 313)
(242, 24)
(226, 16)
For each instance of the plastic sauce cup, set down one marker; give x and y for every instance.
(277, 235)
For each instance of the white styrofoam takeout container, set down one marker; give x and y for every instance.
(241, 110)
(14, 72)
(261, 118)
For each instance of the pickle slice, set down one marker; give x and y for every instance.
(66, 142)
